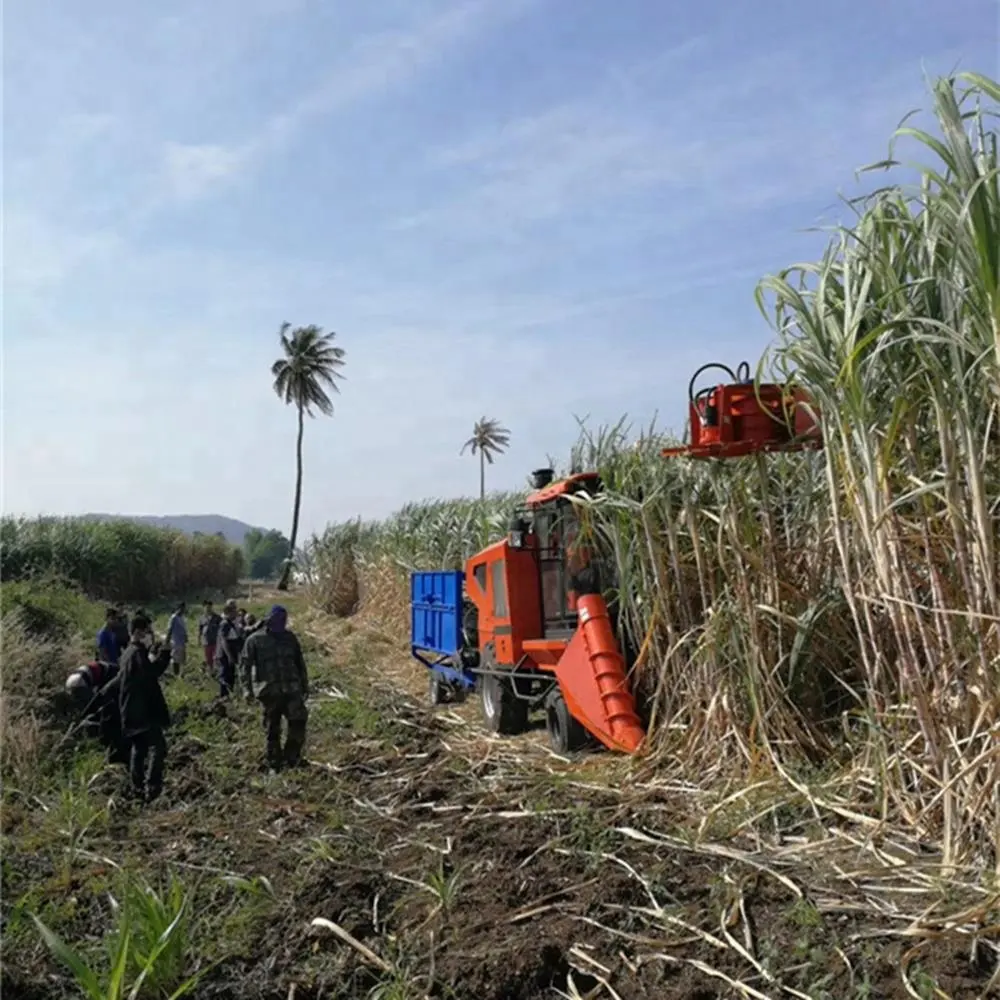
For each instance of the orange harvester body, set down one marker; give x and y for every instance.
(506, 585)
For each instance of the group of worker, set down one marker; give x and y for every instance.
(124, 706)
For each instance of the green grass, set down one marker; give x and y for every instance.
(51, 609)
(147, 952)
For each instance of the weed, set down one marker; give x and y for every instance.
(236, 925)
(158, 927)
(923, 982)
(24, 744)
(804, 914)
(444, 885)
(322, 849)
(145, 954)
(75, 815)
(351, 714)
(589, 834)
(395, 986)
(863, 990)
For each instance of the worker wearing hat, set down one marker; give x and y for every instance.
(274, 674)
(228, 648)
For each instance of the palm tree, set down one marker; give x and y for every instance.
(489, 439)
(303, 378)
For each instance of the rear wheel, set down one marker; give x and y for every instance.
(437, 688)
(503, 711)
(566, 735)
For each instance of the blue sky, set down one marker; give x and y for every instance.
(529, 209)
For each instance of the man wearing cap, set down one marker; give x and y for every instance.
(229, 645)
(274, 673)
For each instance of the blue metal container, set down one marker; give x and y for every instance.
(436, 623)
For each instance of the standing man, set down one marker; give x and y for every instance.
(108, 648)
(121, 626)
(228, 648)
(144, 713)
(208, 633)
(274, 672)
(104, 713)
(177, 637)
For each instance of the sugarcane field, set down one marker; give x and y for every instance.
(701, 714)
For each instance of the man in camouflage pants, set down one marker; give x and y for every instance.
(274, 673)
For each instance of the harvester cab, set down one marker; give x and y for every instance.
(527, 622)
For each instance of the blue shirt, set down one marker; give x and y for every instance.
(107, 645)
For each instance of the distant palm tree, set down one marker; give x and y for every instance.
(489, 439)
(303, 375)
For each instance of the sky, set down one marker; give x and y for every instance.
(539, 211)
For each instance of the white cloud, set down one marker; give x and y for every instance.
(38, 254)
(374, 65)
(192, 170)
(388, 60)
(422, 364)
(709, 150)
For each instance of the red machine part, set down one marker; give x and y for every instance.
(503, 583)
(561, 488)
(591, 675)
(739, 418)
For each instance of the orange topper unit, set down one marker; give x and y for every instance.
(740, 417)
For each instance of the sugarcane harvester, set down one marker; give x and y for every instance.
(526, 623)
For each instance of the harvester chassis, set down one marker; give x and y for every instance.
(460, 680)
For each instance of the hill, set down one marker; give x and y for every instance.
(207, 524)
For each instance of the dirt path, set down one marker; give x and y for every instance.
(459, 865)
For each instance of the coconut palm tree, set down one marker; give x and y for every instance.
(304, 376)
(489, 439)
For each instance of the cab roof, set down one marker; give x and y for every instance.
(561, 487)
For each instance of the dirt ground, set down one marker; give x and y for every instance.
(461, 865)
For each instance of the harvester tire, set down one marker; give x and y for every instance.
(437, 688)
(566, 735)
(503, 711)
